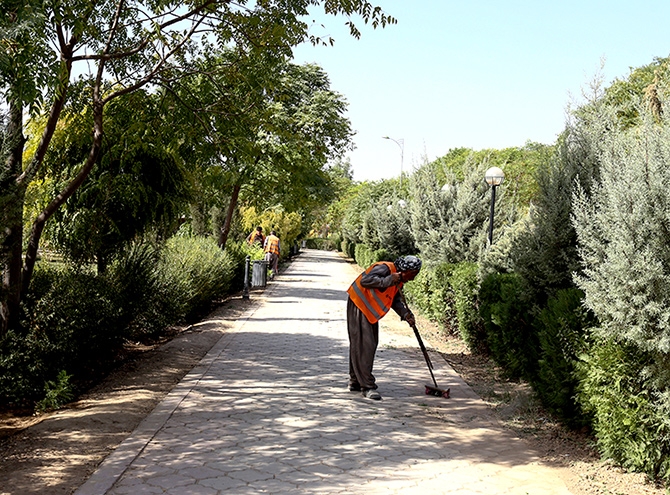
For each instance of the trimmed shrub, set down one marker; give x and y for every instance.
(365, 256)
(137, 290)
(332, 244)
(348, 248)
(417, 292)
(562, 337)
(506, 314)
(630, 421)
(71, 324)
(193, 272)
(447, 294)
(431, 293)
(465, 288)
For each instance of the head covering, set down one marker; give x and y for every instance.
(407, 263)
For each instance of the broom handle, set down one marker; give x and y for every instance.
(418, 338)
(425, 354)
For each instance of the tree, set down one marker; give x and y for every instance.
(450, 220)
(643, 83)
(138, 184)
(342, 180)
(623, 232)
(127, 45)
(544, 252)
(269, 129)
(26, 65)
(362, 197)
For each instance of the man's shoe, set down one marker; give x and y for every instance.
(354, 387)
(371, 394)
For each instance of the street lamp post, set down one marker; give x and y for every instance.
(493, 177)
(401, 145)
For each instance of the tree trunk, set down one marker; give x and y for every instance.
(225, 230)
(13, 195)
(40, 221)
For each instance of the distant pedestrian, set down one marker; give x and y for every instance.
(272, 249)
(256, 237)
(372, 294)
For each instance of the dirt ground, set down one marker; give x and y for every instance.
(55, 453)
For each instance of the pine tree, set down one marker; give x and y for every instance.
(544, 252)
(623, 232)
(623, 228)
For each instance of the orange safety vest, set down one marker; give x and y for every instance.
(272, 245)
(374, 303)
(256, 237)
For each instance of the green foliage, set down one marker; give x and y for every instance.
(464, 282)
(365, 256)
(505, 309)
(447, 294)
(140, 293)
(432, 293)
(518, 163)
(287, 225)
(623, 232)
(70, 323)
(21, 368)
(450, 221)
(624, 238)
(197, 272)
(27, 62)
(630, 418)
(348, 248)
(386, 225)
(271, 129)
(647, 83)
(562, 331)
(76, 321)
(58, 393)
(137, 185)
(544, 252)
(363, 198)
(341, 177)
(322, 244)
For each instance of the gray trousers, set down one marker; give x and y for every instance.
(273, 262)
(363, 340)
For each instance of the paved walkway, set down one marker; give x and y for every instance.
(267, 411)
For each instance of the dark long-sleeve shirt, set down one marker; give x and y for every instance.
(380, 278)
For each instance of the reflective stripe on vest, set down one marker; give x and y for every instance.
(373, 303)
(273, 245)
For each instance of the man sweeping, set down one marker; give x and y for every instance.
(372, 294)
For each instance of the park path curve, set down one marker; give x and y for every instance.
(267, 411)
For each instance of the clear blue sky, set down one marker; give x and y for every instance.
(477, 73)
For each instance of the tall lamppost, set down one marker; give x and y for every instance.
(401, 145)
(493, 177)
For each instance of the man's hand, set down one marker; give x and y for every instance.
(396, 278)
(409, 318)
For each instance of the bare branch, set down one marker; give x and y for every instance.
(156, 69)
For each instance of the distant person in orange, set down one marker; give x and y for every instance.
(256, 237)
(272, 249)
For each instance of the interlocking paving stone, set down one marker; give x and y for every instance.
(267, 411)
